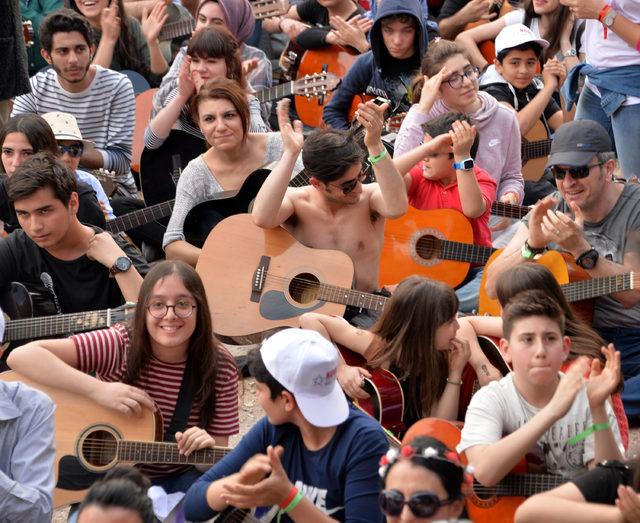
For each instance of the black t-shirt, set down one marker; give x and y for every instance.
(502, 93)
(451, 7)
(600, 485)
(79, 285)
(312, 13)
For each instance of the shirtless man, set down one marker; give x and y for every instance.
(335, 211)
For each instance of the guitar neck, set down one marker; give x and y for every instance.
(163, 452)
(365, 300)
(275, 92)
(140, 217)
(587, 289)
(521, 485)
(176, 29)
(458, 251)
(48, 326)
(509, 210)
(535, 149)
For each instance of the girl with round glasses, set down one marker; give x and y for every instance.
(422, 482)
(143, 366)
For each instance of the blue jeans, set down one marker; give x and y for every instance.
(469, 291)
(627, 341)
(623, 128)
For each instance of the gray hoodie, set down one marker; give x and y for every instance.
(500, 142)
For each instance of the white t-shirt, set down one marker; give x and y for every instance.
(612, 51)
(498, 410)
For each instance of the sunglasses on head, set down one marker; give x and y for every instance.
(75, 150)
(577, 173)
(422, 504)
(349, 186)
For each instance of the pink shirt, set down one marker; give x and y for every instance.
(432, 194)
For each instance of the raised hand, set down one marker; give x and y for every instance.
(351, 380)
(352, 32)
(152, 22)
(538, 236)
(462, 135)
(250, 65)
(568, 388)
(270, 491)
(292, 137)
(603, 382)
(110, 23)
(194, 439)
(478, 10)
(431, 89)
(124, 398)
(565, 231)
(371, 116)
(584, 8)
(186, 85)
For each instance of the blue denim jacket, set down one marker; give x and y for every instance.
(614, 84)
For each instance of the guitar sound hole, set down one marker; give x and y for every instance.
(428, 247)
(304, 288)
(99, 448)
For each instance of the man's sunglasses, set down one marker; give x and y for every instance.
(577, 173)
(422, 504)
(349, 186)
(75, 150)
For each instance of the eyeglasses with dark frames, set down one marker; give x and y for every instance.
(422, 504)
(577, 173)
(182, 309)
(455, 80)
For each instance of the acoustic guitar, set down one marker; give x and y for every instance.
(490, 504)
(100, 438)
(576, 284)
(159, 170)
(260, 279)
(535, 151)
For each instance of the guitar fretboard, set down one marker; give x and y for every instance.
(509, 210)
(430, 247)
(137, 218)
(351, 297)
(48, 326)
(175, 29)
(275, 92)
(587, 289)
(520, 485)
(537, 149)
(164, 452)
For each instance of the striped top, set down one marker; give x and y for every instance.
(105, 112)
(105, 353)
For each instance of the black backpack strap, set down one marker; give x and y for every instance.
(183, 407)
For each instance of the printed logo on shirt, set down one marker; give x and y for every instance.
(375, 91)
(316, 495)
(494, 142)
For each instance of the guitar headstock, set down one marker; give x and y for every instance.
(317, 84)
(268, 8)
(107, 179)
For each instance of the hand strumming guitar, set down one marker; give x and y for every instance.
(351, 380)
(124, 398)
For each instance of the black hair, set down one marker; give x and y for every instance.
(39, 171)
(444, 123)
(259, 371)
(328, 154)
(534, 46)
(122, 487)
(525, 304)
(63, 21)
(35, 128)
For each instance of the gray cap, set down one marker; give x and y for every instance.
(576, 143)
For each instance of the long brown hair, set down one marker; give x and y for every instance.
(408, 328)
(584, 340)
(205, 351)
(558, 20)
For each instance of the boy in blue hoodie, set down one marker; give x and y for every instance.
(398, 41)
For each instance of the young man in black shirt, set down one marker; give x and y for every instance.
(81, 267)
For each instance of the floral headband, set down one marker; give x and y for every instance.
(407, 452)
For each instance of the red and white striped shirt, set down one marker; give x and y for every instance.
(105, 353)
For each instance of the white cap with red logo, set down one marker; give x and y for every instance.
(517, 34)
(305, 363)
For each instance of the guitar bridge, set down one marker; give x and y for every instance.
(259, 277)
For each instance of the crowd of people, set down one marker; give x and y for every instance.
(443, 107)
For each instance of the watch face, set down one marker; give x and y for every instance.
(123, 264)
(609, 18)
(467, 164)
(588, 260)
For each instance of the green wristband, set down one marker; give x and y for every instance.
(292, 504)
(596, 427)
(375, 159)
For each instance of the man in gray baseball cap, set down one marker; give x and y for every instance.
(589, 218)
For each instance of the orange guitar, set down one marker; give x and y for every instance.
(488, 504)
(100, 438)
(259, 279)
(578, 287)
(488, 47)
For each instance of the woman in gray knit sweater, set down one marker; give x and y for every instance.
(222, 112)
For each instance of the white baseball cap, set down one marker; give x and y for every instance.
(65, 127)
(305, 363)
(517, 34)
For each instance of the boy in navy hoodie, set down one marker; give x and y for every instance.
(398, 41)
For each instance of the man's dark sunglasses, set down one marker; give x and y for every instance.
(349, 186)
(577, 173)
(75, 150)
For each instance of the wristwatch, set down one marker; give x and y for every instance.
(571, 52)
(122, 264)
(587, 260)
(531, 253)
(464, 165)
(609, 18)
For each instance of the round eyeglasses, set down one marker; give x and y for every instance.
(455, 80)
(182, 309)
